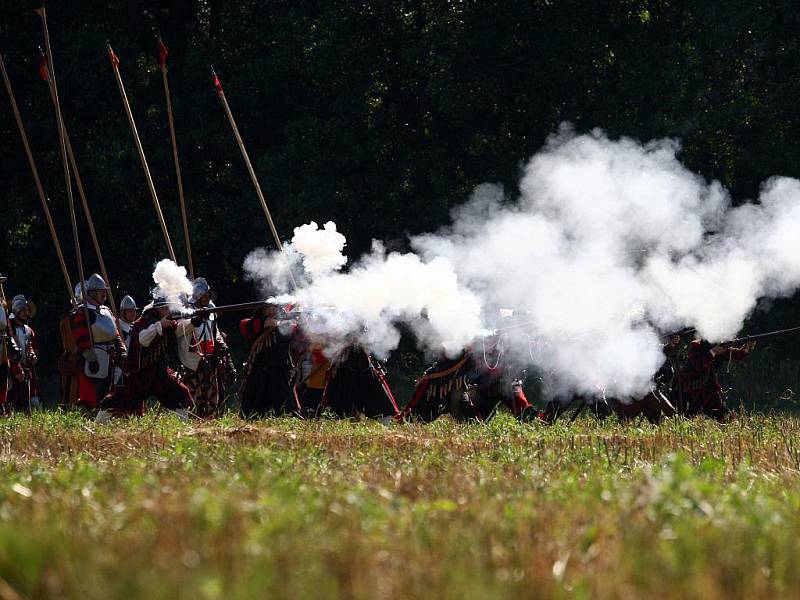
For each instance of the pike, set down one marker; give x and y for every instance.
(138, 143)
(38, 182)
(44, 71)
(251, 171)
(62, 132)
(162, 61)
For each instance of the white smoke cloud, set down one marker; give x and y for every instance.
(321, 249)
(171, 283)
(378, 292)
(610, 244)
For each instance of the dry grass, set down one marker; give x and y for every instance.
(157, 508)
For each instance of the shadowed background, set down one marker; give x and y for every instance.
(380, 116)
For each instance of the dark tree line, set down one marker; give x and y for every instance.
(378, 115)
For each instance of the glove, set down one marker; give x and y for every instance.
(197, 320)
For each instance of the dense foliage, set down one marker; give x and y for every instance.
(378, 115)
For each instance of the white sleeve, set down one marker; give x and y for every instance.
(146, 336)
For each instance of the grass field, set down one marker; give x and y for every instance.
(158, 508)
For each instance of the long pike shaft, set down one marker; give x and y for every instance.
(138, 143)
(251, 171)
(37, 181)
(85, 204)
(65, 162)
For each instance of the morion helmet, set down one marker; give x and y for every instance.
(200, 288)
(95, 282)
(127, 303)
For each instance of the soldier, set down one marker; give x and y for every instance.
(467, 387)
(311, 374)
(23, 393)
(98, 342)
(267, 383)
(127, 317)
(5, 350)
(357, 385)
(698, 390)
(147, 371)
(204, 356)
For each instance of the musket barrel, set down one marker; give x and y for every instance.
(761, 336)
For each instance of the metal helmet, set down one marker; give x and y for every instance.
(127, 303)
(200, 288)
(20, 302)
(78, 294)
(95, 282)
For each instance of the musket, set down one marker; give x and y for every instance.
(244, 306)
(760, 336)
(225, 308)
(682, 332)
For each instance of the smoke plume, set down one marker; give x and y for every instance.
(608, 245)
(171, 283)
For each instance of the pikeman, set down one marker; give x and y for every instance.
(23, 393)
(698, 390)
(147, 372)
(127, 317)
(204, 356)
(98, 342)
(267, 386)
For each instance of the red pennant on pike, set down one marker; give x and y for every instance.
(162, 53)
(113, 58)
(217, 83)
(43, 72)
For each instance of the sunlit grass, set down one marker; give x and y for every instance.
(159, 508)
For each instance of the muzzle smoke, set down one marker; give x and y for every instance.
(609, 245)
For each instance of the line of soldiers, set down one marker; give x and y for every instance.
(111, 366)
(471, 387)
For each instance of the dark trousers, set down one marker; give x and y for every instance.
(151, 381)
